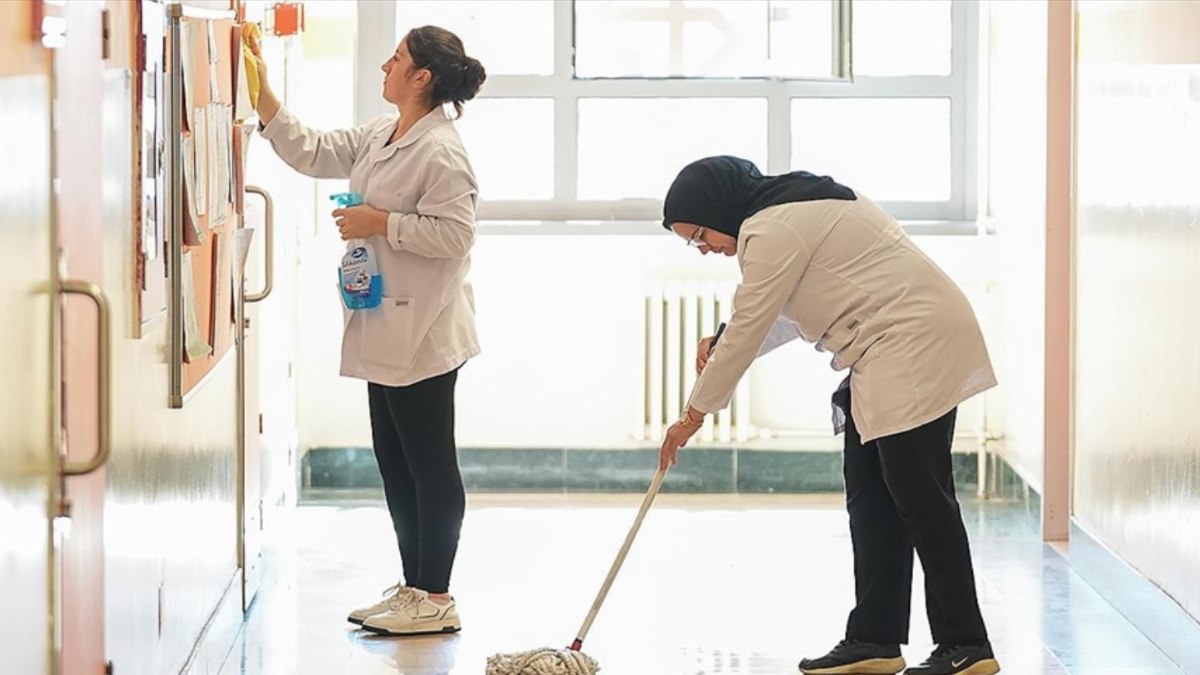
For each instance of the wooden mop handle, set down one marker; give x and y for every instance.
(616, 566)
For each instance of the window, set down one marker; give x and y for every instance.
(511, 147)
(892, 149)
(902, 38)
(591, 107)
(705, 38)
(514, 37)
(614, 134)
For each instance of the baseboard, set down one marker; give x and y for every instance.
(219, 634)
(1006, 483)
(1147, 607)
(577, 470)
(1150, 609)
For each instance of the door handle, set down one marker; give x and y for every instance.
(104, 344)
(269, 243)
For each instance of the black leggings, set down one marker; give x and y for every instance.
(900, 495)
(413, 432)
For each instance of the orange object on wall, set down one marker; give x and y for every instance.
(288, 18)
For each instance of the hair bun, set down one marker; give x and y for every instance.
(456, 76)
(473, 77)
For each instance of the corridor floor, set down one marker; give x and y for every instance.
(715, 584)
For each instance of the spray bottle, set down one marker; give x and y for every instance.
(358, 277)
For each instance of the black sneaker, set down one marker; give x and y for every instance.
(851, 657)
(958, 660)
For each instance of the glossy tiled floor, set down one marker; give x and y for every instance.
(721, 584)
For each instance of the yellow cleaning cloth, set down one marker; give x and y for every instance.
(251, 34)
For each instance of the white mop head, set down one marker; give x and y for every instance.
(543, 661)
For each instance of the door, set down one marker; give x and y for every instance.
(78, 68)
(251, 505)
(27, 456)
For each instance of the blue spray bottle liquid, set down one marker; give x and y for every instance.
(358, 276)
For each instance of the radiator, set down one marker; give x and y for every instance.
(676, 314)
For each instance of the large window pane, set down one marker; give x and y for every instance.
(902, 37)
(631, 148)
(515, 37)
(890, 149)
(511, 145)
(321, 90)
(704, 38)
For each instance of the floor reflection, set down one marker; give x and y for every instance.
(715, 585)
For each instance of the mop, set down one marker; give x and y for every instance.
(571, 661)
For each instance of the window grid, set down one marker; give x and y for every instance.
(959, 87)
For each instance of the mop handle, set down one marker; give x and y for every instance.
(616, 566)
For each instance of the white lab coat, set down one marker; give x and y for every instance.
(844, 275)
(425, 325)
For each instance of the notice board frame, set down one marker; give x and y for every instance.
(212, 261)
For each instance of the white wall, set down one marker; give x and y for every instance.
(1016, 192)
(559, 315)
(1137, 369)
(559, 321)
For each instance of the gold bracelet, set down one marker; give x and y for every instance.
(686, 419)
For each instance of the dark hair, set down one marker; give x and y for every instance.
(456, 76)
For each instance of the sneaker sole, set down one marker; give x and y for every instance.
(357, 622)
(868, 667)
(984, 667)
(428, 630)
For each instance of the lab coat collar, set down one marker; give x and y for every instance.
(383, 150)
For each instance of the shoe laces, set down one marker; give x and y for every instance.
(410, 597)
(844, 644)
(397, 596)
(943, 650)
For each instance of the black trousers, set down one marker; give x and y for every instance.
(900, 495)
(413, 433)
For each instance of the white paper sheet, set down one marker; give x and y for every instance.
(188, 160)
(199, 150)
(195, 343)
(243, 237)
(243, 109)
(186, 37)
(230, 165)
(214, 57)
(224, 142)
(214, 161)
(220, 283)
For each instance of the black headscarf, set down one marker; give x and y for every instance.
(721, 192)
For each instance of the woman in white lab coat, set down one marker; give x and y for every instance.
(419, 216)
(825, 264)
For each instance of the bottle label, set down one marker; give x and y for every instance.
(356, 278)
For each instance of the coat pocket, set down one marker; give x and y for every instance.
(387, 337)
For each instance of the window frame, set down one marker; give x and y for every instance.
(566, 213)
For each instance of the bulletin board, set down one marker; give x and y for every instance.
(204, 179)
(149, 232)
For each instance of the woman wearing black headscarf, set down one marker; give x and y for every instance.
(825, 264)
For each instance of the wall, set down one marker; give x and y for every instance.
(1016, 191)
(558, 314)
(170, 522)
(1137, 387)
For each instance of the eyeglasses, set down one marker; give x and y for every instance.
(694, 241)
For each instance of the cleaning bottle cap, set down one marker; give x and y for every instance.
(347, 199)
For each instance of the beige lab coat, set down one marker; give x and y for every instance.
(845, 276)
(425, 325)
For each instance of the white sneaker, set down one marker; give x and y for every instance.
(393, 595)
(418, 616)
